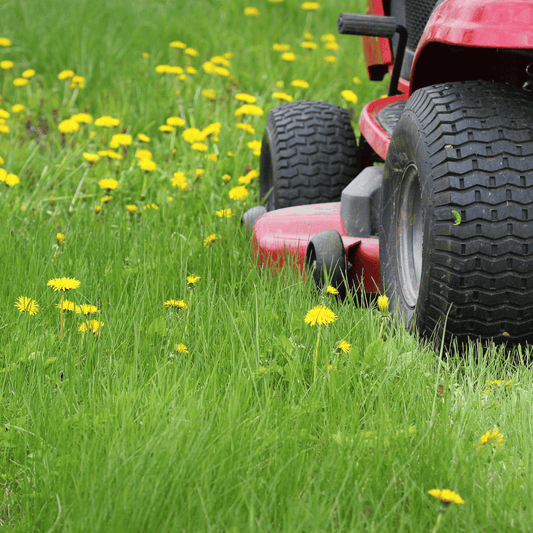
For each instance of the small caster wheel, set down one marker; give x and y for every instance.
(251, 216)
(326, 260)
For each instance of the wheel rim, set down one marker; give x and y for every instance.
(410, 235)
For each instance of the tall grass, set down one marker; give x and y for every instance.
(121, 432)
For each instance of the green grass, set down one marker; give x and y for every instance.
(120, 432)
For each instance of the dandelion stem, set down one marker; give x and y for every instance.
(316, 354)
(80, 185)
(188, 313)
(61, 316)
(439, 520)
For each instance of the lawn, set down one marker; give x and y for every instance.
(153, 377)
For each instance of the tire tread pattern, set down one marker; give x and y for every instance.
(314, 153)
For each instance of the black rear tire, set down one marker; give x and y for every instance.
(456, 250)
(308, 154)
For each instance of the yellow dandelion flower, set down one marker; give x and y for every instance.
(109, 153)
(66, 305)
(178, 44)
(93, 326)
(4, 128)
(493, 383)
(190, 70)
(344, 346)
(245, 127)
(175, 121)
(6, 64)
(108, 183)
(144, 138)
(146, 55)
(248, 177)
(107, 121)
(255, 146)
(251, 12)
(224, 213)
(4, 114)
(68, 126)
(65, 75)
(446, 496)
(77, 81)
(12, 179)
(310, 6)
(181, 348)
(97, 208)
(3, 174)
(349, 96)
(309, 45)
(282, 96)
(332, 290)
(17, 108)
(332, 46)
(191, 52)
(191, 280)
(60, 238)
(162, 69)
(180, 180)
(330, 59)
(493, 437)
(383, 303)
(356, 80)
(20, 82)
(220, 60)
(209, 67)
(82, 117)
(200, 147)
(147, 164)
(143, 154)
(320, 315)
(210, 94)
(28, 305)
(281, 47)
(131, 208)
(208, 241)
(300, 83)
(239, 193)
(212, 157)
(288, 56)
(180, 305)
(328, 38)
(120, 139)
(106, 199)
(165, 128)
(226, 177)
(280, 84)
(212, 129)
(308, 36)
(222, 71)
(4, 41)
(63, 284)
(192, 135)
(86, 309)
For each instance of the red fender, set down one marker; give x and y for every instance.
(490, 24)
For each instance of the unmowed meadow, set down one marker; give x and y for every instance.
(178, 386)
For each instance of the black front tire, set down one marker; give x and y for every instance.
(456, 252)
(308, 154)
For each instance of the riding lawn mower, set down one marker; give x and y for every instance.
(433, 204)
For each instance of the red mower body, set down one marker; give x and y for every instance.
(461, 39)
